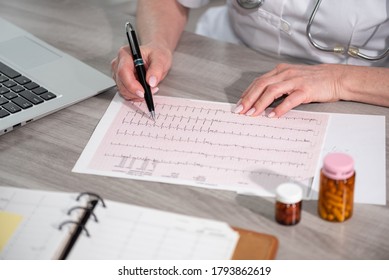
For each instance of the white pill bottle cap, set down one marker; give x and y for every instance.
(289, 193)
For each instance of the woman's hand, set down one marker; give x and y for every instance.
(158, 61)
(300, 83)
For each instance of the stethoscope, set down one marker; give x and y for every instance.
(351, 50)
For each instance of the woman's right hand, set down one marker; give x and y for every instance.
(158, 61)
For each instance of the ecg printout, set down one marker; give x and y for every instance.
(204, 144)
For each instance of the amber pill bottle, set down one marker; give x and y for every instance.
(336, 195)
(288, 204)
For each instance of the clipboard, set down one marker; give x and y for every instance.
(255, 246)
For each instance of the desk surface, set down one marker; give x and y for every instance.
(42, 154)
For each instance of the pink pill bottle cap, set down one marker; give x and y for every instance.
(338, 166)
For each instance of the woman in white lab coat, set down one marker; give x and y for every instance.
(277, 28)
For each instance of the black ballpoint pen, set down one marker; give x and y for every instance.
(139, 66)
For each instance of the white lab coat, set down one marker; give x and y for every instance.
(278, 27)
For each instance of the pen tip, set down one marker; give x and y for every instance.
(152, 115)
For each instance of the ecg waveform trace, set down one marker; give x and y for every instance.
(204, 143)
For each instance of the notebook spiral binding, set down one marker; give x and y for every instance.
(85, 209)
(81, 222)
(74, 222)
(91, 194)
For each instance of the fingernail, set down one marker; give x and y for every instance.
(154, 90)
(153, 81)
(238, 109)
(140, 94)
(272, 114)
(239, 101)
(250, 112)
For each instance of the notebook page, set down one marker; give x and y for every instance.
(29, 222)
(130, 232)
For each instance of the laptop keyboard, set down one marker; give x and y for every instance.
(19, 93)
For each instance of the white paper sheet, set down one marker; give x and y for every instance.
(363, 138)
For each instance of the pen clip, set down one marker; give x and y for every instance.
(129, 30)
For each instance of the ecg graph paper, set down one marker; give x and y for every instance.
(204, 144)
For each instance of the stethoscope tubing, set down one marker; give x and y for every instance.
(351, 50)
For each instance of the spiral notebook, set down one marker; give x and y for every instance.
(58, 225)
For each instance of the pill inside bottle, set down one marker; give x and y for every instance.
(288, 204)
(336, 195)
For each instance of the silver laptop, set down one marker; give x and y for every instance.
(37, 79)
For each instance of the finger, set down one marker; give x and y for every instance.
(130, 96)
(158, 66)
(275, 73)
(257, 81)
(293, 100)
(259, 87)
(271, 93)
(125, 92)
(127, 83)
(114, 68)
(264, 84)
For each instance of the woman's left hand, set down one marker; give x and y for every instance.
(300, 83)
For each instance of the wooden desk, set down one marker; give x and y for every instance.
(42, 154)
